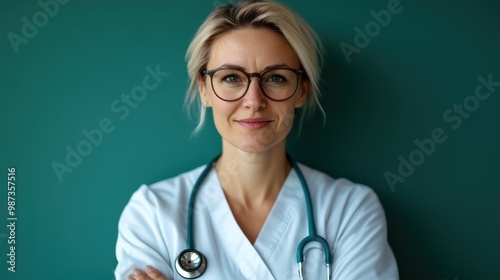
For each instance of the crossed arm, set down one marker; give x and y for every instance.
(149, 273)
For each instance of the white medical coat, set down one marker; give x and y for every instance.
(152, 231)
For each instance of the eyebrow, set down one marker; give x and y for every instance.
(229, 65)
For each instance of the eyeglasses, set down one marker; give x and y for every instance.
(231, 84)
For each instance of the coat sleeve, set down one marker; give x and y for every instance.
(362, 250)
(140, 241)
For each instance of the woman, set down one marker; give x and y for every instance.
(253, 63)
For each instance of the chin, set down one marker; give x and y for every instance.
(253, 149)
(256, 146)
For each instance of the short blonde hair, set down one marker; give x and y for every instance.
(255, 14)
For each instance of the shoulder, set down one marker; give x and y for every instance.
(162, 195)
(153, 212)
(343, 206)
(350, 216)
(341, 199)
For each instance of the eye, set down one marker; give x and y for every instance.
(231, 79)
(276, 79)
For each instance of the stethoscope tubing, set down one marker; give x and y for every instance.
(192, 198)
(313, 236)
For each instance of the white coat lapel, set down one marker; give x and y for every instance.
(278, 223)
(231, 240)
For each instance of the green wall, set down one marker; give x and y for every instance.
(400, 87)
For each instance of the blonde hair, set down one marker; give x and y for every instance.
(255, 14)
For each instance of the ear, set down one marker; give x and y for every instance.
(202, 88)
(303, 90)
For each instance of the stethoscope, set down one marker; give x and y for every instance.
(191, 263)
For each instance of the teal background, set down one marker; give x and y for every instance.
(443, 219)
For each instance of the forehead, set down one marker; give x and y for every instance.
(253, 49)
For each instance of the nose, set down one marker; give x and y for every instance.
(254, 99)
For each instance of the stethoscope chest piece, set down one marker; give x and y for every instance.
(190, 264)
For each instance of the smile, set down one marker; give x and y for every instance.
(254, 123)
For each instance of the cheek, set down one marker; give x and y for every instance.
(287, 117)
(222, 110)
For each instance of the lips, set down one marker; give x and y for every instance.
(254, 123)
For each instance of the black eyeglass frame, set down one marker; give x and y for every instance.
(298, 72)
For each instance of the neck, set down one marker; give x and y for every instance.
(252, 179)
